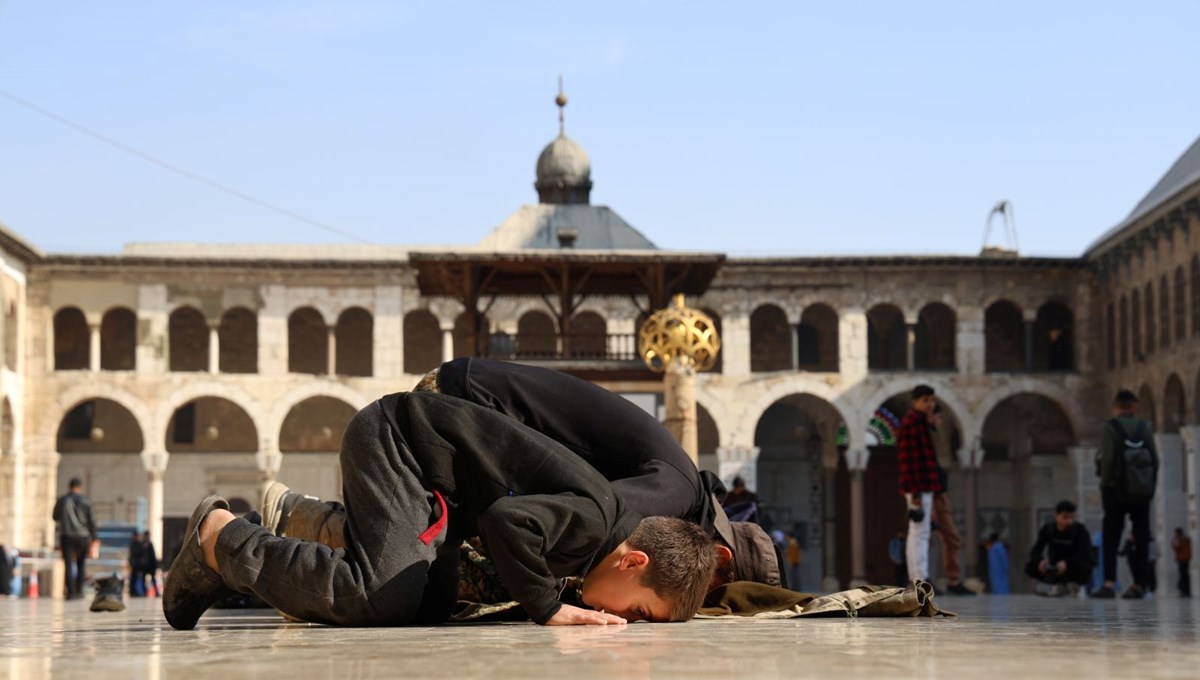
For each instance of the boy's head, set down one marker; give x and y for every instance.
(1125, 403)
(923, 399)
(660, 573)
(1064, 515)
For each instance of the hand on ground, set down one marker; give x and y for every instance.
(574, 616)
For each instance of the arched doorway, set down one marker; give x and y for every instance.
(237, 338)
(422, 342)
(1004, 341)
(817, 339)
(887, 339)
(187, 340)
(310, 440)
(1025, 472)
(797, 437)
(934, 345)
(71, 340)
(536, 336)
(770, 340)
(308, 342)
(99, 441)
(118, 340)
(355, 335)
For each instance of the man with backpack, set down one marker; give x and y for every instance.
(1127, 464)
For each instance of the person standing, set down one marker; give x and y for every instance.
(1182, 546)
(76, 531)
(922, 486)
(795, 556)
(136, 581)
(149, 565)
(6, 572)
(1127, 465)
(896, 553)
(997, 560)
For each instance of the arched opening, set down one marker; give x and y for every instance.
(536, 336)
(118, 340)
(211, 425)
(1004, 342)
(1025, 471)
(770, 340)
(187, 344)
(99, 441)
(422, 342)
(589, 336)
(716, 319)
(99, 426)
(315, 425)
(1180, 306)
(707, 440)
(463, 346)
(6, 427)
(355, 342)
(71, 340)
(1151, 321)
(1196, 296)
(934, 345)
(1110, 335)
(798, 457)
(1146, 406)
(887, 339)
(308, 342)
(1123, 331)
(237, 340)
(1054, 338)
(1135, 326)
(1164, 313)
(1174, 405)
(817, 339)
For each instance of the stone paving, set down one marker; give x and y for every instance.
(1017, 637)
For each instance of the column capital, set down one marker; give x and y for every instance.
(857, 459)
(155, 462)
(269, 461)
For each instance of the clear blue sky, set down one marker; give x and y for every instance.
(748, 128)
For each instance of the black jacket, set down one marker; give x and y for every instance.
(73, 512)
(649, 470)
(542, 513)
(1073, 546)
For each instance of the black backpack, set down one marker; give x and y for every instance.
(1136, 465)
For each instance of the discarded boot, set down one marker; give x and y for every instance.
(109, 594)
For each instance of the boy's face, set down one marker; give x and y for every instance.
(925, 404)
(616, 587)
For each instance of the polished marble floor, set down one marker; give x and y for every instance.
(994, 637)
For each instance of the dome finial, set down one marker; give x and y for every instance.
(561, 100)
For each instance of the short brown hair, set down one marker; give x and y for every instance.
(682, 561)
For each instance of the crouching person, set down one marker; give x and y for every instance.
(420, 472)
(1061, 561)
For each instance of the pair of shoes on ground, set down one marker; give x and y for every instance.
(1133, 592)
(959, 589)
(109, 594)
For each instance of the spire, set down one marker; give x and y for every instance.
(561, 100)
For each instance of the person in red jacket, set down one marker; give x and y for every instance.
(921, 483)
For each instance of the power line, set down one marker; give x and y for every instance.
(176, 169)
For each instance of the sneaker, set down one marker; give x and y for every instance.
(109, 591)
(1133, 592)
(274, 518)
(959, 589)
(1104, 593)
(191, 586)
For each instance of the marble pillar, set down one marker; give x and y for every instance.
(94, 347)
(155, 464)
(447, 342)
(331, 357)
(856, 463)
(214, 350)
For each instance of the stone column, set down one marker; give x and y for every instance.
(1190, 437)
(970, 459)
(155, 464)
(268, 463)
(738, 461)
(214, 350)
(856, 463)
(1170, 504)
(1087, 486)
(852, 345)
(331, 357)
(735, 341)
(447, 341)
(679, 390)
(94, 346)
(1029, 344)
(911, 336)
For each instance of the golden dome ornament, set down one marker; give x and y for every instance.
(679, 333)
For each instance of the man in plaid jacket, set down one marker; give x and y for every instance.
(922, 483)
